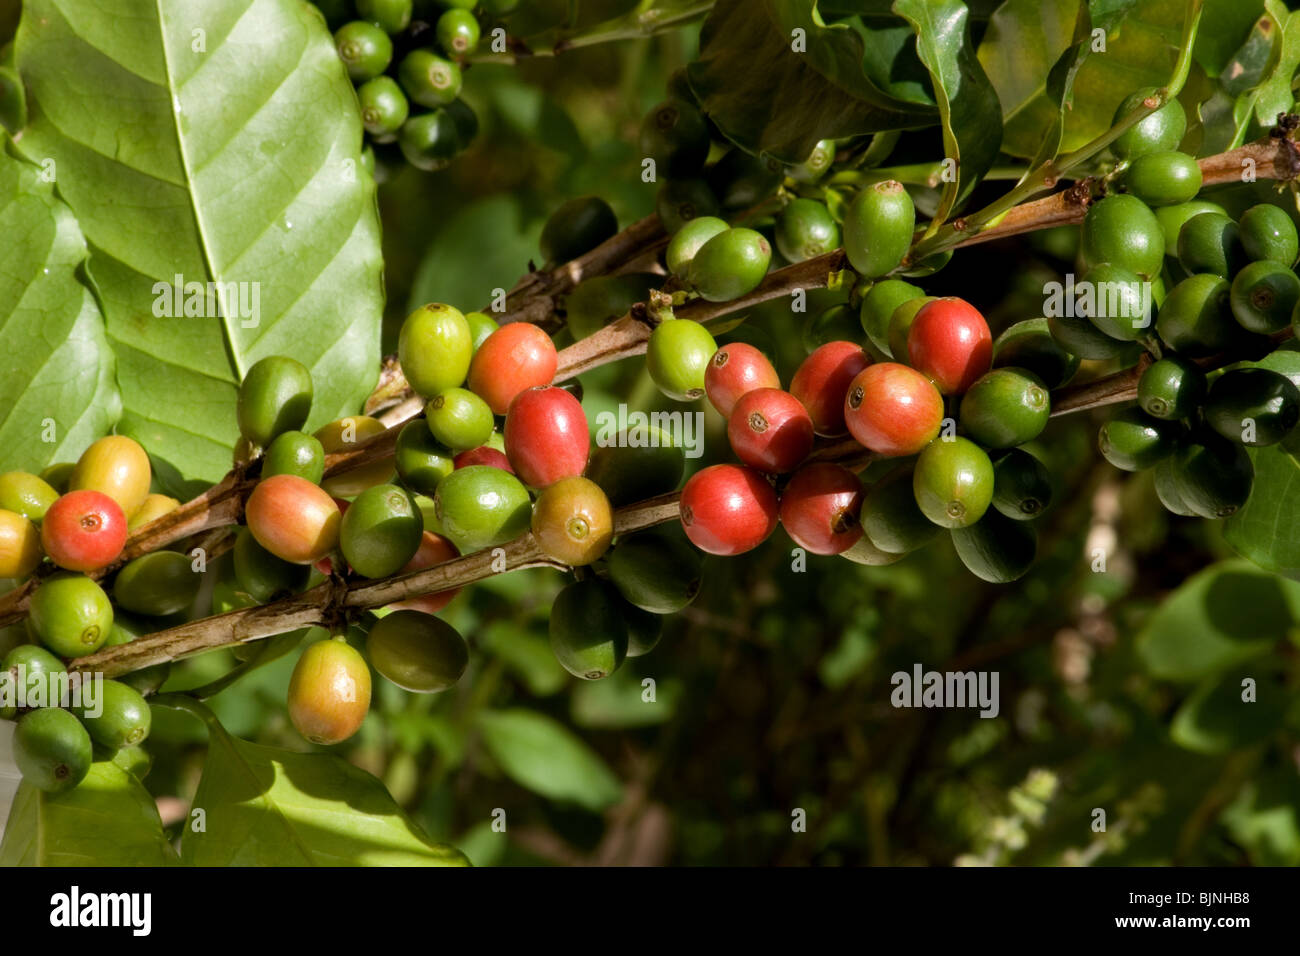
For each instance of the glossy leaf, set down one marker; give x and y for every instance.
(1228, 113)
(109, 819)
(1267, 529)
(217, 142)
(542, 755)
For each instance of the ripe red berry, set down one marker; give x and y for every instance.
(735, 369)
(892, 409)
(434, 549)
(546, 436)
(819, 508)
(950, 344)
(822, 382)
(515, 357)
(728, 509)
(483, 455)
(769, 430)
(84, 531)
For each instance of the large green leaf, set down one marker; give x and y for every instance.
(1224, 26)
(540, 754)
(268, 807)
(56, 365)
(1228, 113)
(968, 105)
(1215, 719)
(109, 819)
(1202, 627)
(218, 142)
(1267, 529)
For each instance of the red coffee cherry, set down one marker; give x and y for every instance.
(546, 435)
(483, 455)
(822, 382)
(515, 357)
(728, 509)
(434, 549)
(819, 508)
(293, 519)
(950, 343)
(893, 410)
(84, 531)
(769, 430)
(735, 369)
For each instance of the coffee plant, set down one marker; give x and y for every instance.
(390, 382)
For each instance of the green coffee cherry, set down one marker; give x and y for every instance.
(1171, 388)
(480, 507)
(997, 548)
(1173, 218)
(481, 325)
(878, 228)
(1263, 296)
(878, 306)
(891, 518)
(429, 79)
(434, 348)
(1164, 178)
(1117, 301)
(383, 107)
(459, 419)
(864, 552)
(1029, 344)
(29, 668)
(629, 472)
(643, 629)
(600, 300)
(1078, 336)
(688, 240)
(157, 584)
(417, 652)
(1022, 485)
(656, 572)
(679, 201)
(421, 461)
(457, 32)
(124, 719)
(819, 161)
(1123, 231)
(1213, 476)
(295, 453)
(274, 397)
(26, 494)
(52, 750)
(1267, 232)
(1006, 407)
(676, 136)
(805, 229)
(677, 357)
(1133, 440)
(71, 614)
(577, 227)
(431, 140)
(261, 575)
(391, 16)
(953, 482)
(1253, 406)
(1210, 243)
(1196, 318)
(1166, 482)
(1162, 129)
(364, 48)
(741, 180)
(588, 632)
(381, 531)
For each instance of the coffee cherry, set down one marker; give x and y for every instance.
(295, 453)
(676, 136)
(84, 531)
(996, 548)
(71, 614)
(1196, 318)
(364, 48)
(1171, 388)
(728, 509)
(1164, 178)
(1253, 406)
(417, 652)
(329, 692)
(1166, 482)
(480, 507)
(688, 240)
(421, 461)
(1159, 130)
(381, 531)
(820, 507)
(430, 141)
(118, 467)
(26, 494)
(950, 343)
(893, 410)
(636, 464)
(656, 571)
(391, 16)
(878, 228)
(1022, 485)
(1078, 336)
(295, 520)
(1124, 232)
(1267, 232)
(821, 383)
(481, 325)
(573, 522)
(735, 369)
(838, 323)
(1173, 218)
(577, 227)
(878, 306)
(588, 633)
(890, 517)
(1210, 243)
(1213, 476)
(154, 507)
(383, 107)
(953, 482)
(730, 265)
(32, 668)
(1117, 301)
(434, 348)
(864, 552)
(1133, 440)
(677, 358)
(515, 357)
(262, 575)
(156, 584)
(1005, 408)
(457, 32)
(459, 419)
(819, 161)
(123, 717)
(680, 201)
(52, 750)
(805, 229)
(484, 455)
(546, 434)
(429, 79)
(346, 434)
(434, 549)
(20, 545)
(603, 299)
(900, 324)
(643, 630)
(275, 396)
(1029, 344)
(770, 430)
(1263, 296)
